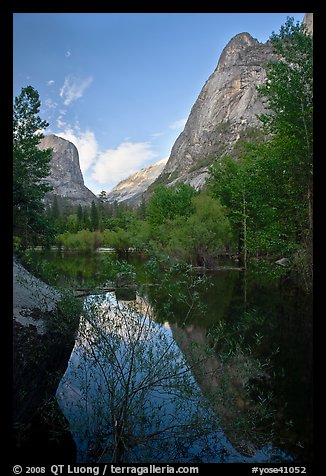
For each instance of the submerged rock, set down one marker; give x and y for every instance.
(283, 262)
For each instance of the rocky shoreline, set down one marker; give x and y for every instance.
(40, 358)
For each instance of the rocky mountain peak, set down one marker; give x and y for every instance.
(65, 176)
(226, 107)
(236, 47)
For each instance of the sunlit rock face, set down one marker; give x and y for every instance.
(65, 176)
(131, 189)
(227, 105)
(308, 21)
(225, 111)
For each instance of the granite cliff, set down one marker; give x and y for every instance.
(308, 21)
(131, 189)
(65, 175)
(225, 110)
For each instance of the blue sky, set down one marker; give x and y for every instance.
(121, 86)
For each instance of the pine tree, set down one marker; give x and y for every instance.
(95, 221)
(55, 209)
(30, 167)
(79, 217)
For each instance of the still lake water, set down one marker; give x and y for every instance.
(258, 379)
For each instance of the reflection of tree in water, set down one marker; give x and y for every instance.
(132, 394)
(278, 314)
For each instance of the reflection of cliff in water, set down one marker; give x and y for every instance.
(224, 383)
(263, 388)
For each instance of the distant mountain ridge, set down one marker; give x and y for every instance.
(130, 190)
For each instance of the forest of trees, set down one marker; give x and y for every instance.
(259, 203)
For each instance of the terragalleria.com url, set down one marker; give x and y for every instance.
(152, 469)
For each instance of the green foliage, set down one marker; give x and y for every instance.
(168, 203)
(289, 96)
(111, 266)
(83, 241)
(201, 236)
(39, 267)
(118, 239)
(141, 234)
(289, 85)
(102, 196)
(65, 318)
(30, 167)
(176, 290)
(227, 184)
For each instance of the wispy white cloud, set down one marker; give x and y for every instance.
(179, 124)
(157, 134)
(85, 142)
(67, 53)
(73, 88)
(50, 82)
(114, 165)
(60, 123)
(50, 104)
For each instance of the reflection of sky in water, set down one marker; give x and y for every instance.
(82, 393)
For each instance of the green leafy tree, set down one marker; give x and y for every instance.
(199, 239)
(169, 202)
(119, 239)
(30, 168)
(209, 227)
(230, 184)
(289, 96)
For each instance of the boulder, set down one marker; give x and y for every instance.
(40, 358)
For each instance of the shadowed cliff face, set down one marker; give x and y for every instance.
(65, 176)
(226, 106)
